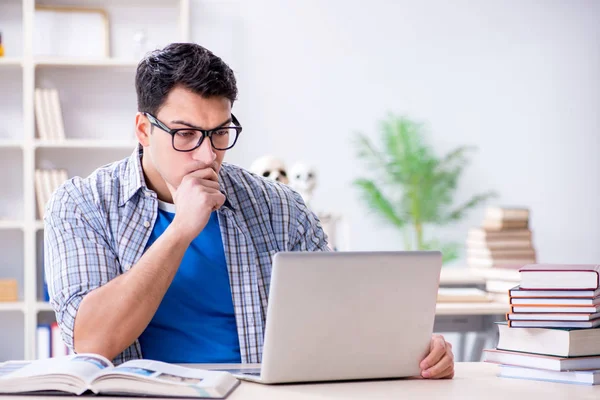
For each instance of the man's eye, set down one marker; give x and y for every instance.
(221, 132)
(186, 133)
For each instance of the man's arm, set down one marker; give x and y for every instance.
(111, 317)
(102, 311)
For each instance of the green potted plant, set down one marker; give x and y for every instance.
(411, 188)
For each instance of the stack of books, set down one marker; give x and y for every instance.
(499, 247)
(553, 328)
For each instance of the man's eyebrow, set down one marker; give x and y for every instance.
(180, 122)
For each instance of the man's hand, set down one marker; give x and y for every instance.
(439, 363)
(195, 199)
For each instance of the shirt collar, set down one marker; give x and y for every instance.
(134, 180)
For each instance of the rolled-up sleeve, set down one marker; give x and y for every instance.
(308, 232)
(78, 257)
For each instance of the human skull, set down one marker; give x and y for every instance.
(270, 167)
(303, 179)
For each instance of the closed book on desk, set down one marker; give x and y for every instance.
(554, 324)
(550, 341)
(557, 301)
(518, 292)
(539, 361)
(91, 373)
(560, 276)
(560, 309)
(552, 316)
(579, 377)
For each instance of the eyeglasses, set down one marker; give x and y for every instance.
(188, 139)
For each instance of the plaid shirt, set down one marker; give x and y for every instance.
(97, 228)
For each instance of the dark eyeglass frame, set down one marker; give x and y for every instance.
(206, 133)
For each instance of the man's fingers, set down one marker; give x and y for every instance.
(445, 373)
(205, 173)
(438, 349)
(439, 368)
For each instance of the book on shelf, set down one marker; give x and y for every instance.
(48, 114)
(94, 374)
(560, 276)
(519, 293)
(500, 244)
(500, 253)
(9, 290)
(540, 361)
(498, 225)
(496, 262)
(559, 342)
(591, 377)
(507, 213)
(46, 183)
(491, 236)
(49, 341)
(462, 295)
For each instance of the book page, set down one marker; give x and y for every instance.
(158, 371)
(82, 366)
(146, 377)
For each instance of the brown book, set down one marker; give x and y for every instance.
(9, 290)
(499, 225)
(507, 213)
(493, 262)
(501, 254)
(488, 235)
(516, 244)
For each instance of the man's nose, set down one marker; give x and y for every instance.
(205, 152)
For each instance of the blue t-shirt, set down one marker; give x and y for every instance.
(195, 322)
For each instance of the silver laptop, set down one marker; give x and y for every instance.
(347, 316)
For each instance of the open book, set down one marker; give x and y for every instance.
(80, 373)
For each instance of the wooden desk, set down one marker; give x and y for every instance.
(472, 381)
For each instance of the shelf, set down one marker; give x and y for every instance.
(84, 144)
(43, 306)
(10, 144)
(39, 225)
(93, 63)
(8, 224)
(10, 62)
(12, 306)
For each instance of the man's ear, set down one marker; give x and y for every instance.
(142, 129)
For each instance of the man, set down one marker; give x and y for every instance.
(167, 254)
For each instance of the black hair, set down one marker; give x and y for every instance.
(182, 64)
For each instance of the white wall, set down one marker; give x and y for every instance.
(518, 79)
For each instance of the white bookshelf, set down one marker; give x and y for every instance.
(98, 105)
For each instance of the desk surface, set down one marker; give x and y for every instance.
(472, 381)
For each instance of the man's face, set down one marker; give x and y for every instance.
(181, 109)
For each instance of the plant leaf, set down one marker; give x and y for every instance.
(377, 202)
